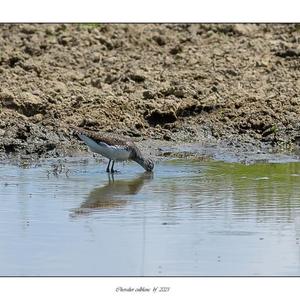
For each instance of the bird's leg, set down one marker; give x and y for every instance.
(111, 178)
(112, 168)
(107, 169)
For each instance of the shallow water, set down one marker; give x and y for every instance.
(188, 218)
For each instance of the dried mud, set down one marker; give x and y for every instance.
(233, 85)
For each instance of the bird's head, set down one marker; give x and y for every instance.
(148, 164)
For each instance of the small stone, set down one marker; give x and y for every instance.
(178, 93)
(133, 133)
(60, 87)
(244, 29)
(214, 89)
(167, 137)
(232, 72)
(137, 77)
(139, 126)
(33, 50)
(65, 40)
(37, 118)
(30, 104)
(88, 123)
(96, 82)
(28, 29)
(110, 79)
(148, 94)
(159, 40)
(7, 99)
(96, 57)
(176, 50)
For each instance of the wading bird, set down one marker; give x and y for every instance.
(114, 148)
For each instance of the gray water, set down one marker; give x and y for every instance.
(188, 218)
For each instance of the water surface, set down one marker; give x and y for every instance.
(188, 218)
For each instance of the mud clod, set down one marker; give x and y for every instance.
(137, 77)
(159, 40)
(176, 50)
(148, 94)
(160, 117)
(289, 53)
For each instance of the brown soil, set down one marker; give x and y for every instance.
(231, 84)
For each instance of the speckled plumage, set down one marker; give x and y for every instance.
(113, 147)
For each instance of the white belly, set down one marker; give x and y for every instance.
(110, 152)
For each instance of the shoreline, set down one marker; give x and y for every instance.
(160, 151)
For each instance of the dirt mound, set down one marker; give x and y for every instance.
(237, 84)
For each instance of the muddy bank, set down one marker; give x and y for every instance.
(236, 86)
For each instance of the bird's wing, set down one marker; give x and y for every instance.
(103, 138)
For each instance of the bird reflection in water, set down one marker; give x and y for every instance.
(110, 195)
